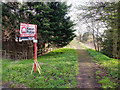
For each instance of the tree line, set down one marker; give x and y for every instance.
(54, 27)
(105, 16)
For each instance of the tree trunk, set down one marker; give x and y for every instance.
(97, 41)
(93, 36)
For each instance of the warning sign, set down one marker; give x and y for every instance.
(27, 30)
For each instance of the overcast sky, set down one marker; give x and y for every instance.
(81, 28)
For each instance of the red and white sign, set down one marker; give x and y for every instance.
(27, 30)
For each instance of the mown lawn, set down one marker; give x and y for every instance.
(111, 67)
(58, 70)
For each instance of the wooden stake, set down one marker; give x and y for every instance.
(37, 67)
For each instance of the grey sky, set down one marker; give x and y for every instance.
(81, 28)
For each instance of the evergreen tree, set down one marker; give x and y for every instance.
(60, 24)
(54, 28)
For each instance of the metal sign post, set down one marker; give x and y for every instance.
(36, 65)
(29, 32)
(35, 48)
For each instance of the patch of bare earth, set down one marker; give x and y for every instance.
(9, 84)
(87, 69)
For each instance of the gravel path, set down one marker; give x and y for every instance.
(87, 68)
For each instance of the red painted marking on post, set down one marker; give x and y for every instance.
(35, 47)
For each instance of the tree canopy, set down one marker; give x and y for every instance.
(54, 27)
(99, 15)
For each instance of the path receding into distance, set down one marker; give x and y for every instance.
(87, 69)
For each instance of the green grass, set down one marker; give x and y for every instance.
(72, 44)
(110, 64)
(58, 70)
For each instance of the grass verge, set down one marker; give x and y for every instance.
(58, 70)
(110, 65)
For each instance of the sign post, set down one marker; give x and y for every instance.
(29, 32)
(35, 47)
